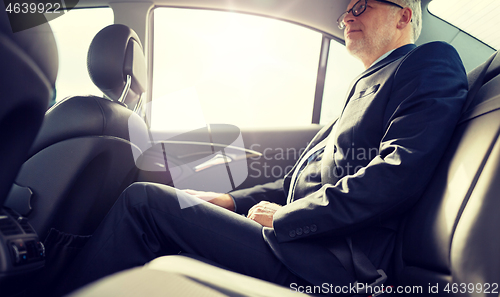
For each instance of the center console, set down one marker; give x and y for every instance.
(21, 252)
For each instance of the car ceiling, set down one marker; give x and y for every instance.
(323, 16)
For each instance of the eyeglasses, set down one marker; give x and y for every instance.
(358, 9)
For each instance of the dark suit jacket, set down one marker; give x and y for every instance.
(379, 156)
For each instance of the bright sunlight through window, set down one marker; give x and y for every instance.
(479, 18)
(341, 70)
(74, 32)
(223, 67)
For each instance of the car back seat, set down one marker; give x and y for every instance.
(450, 237)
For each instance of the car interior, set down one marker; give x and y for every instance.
(65, 161)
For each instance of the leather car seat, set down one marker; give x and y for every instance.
(28, 75)
(29, 64)
(83, 158)
(450, 238)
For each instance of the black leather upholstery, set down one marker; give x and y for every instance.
(109, 71)
(83, 158)
(493, 70)
(451, 235)
(28, 69)
(38, 44)
(83, 116)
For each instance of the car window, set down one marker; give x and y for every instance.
(478, 18)
(223, 67)
(341, 70)
(74, 32)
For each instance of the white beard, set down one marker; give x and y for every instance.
(361, 48)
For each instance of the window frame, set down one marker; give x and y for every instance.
(322, 65)
(67, 10)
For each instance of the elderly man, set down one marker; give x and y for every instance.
(334, 216)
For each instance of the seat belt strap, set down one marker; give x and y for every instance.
(476, 78)
(363, 267)
(358, 265)
(341, 250)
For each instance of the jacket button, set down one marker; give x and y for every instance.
(306, 230)
(314, 228)
(298, 231)
(292, 234)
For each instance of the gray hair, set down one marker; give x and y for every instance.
(416, 7)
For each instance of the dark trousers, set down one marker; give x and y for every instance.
(148, 221)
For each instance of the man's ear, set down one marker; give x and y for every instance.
(405, 17)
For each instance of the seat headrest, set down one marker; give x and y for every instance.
(38, 43)
(114, 53)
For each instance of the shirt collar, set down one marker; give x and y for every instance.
(382, 57)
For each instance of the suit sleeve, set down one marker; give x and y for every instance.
(246, 198)
(273, 192)
(428, 91)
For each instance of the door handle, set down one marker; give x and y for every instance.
(216, 160)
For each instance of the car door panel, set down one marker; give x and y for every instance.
(222, 157)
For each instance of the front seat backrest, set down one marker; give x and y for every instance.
(83, 158)
(28, 71)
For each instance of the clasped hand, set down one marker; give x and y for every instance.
(262, 212)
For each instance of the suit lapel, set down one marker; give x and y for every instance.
(322, 134)
(395, 55)
(327, 130)
(328, 163)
